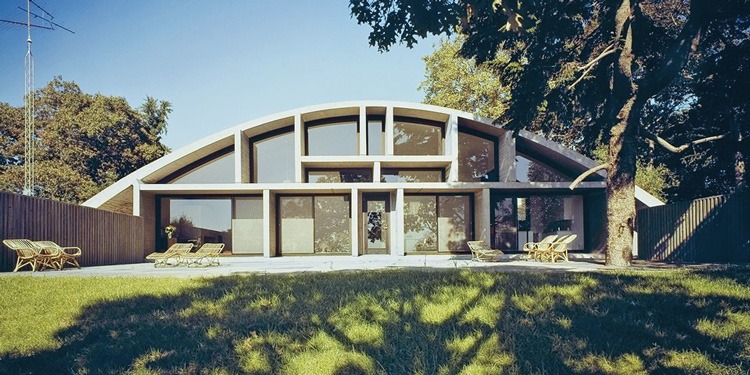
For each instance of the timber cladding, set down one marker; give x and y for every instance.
(104, 237)
(713, 229)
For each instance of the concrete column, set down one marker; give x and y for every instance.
(388, 131)
(451, 147)
(241, 158)
(355, 221)
(137, 198)
(299, 147)
(268, 230)
(363, 130)
(482, 216)
(376, 172)
(397, 233)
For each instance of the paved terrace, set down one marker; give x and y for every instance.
(243, 265)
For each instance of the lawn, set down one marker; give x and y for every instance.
(395, 322)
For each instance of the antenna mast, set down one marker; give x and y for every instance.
(28, 122)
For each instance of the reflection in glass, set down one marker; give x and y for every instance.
(199, 220)
(273, 158)
(420, 223)
(216, 171)
(247, 225)
(411, 138)
(528, 170)
(504, 228)
(311, 225)
(375, 220)
(477, 158)
(454, 222)
(411, 175)
(336, 176)
(375, 137)
(333, 139)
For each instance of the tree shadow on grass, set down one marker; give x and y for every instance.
(416, 322)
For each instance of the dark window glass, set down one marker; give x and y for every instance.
(315, 225)
(375, 137)
(273, 158)
(333, 139)
(412, 175)
(336, 176)
(477, 158)
(528, 170)
(411, 138)
(438, 223)
(198, 220)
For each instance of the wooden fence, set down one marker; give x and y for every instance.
(714, 229)
(104, 237)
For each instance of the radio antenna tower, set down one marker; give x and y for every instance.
(29, 127)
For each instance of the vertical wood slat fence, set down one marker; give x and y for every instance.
(104, 237)
(713, 229)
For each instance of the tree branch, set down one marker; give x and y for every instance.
(591, 64)
(586, 174)
(678, 149)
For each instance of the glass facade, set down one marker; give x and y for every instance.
(314, 224)
(198, 220)
(247, 225)
(338, 138)
(273, 157)
(437, 223)
(336, 176)
(412, 175)
(414, 138)
(528, 170)
(375, 137)
(477, 157)
(216, 170)
(518, 220)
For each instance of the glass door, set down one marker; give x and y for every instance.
(375, 222)
(504, 224)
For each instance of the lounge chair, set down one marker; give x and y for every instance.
(532, 247)
(208, 252)
(556, 250)
(483, 253)
(30, 255)
(174, 252)
(68, 254)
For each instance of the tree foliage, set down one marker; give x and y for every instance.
(595, 70)
(84, 142)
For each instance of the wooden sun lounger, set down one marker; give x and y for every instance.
(209, 253)
(483, 253)
(174, 252)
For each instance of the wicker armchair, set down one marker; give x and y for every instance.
(30, 255)
(532, 248)
(68, 254)
(556, 250)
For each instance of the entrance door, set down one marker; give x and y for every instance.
(376, 209)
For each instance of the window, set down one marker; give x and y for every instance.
(214, 169)
(336, 176)
(375, 137)
(198, 220)
(477, 157)
(417, 137)
(247, 225)
(332, 138)
(437, 223)
(273, 156)
(528, 170)
(314, 224)
(412, 175)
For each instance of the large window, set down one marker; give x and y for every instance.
(412, 137)
(332, 138)
(247, 225)
(214, 169)
(528, 170)
(519, 220)
(477, 157)
(198, 220)
(437, 223)
(336, 176)
(375, 137)
(273, 156)
(412, 175)
(314, 224)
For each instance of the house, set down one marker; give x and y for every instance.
(369, 177)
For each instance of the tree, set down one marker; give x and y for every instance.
(591, 67)
(84, 142)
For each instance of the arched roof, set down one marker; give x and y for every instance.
(526, 142)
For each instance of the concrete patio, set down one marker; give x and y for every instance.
(242, 265)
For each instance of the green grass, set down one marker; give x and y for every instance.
(395, 322)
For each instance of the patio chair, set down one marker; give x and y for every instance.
(30, 255)
(556, 250)
(209, 252)
(174, 252)
(532, 247)
(483, 253)
(68, 254)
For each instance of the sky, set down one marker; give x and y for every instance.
(220, 63)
